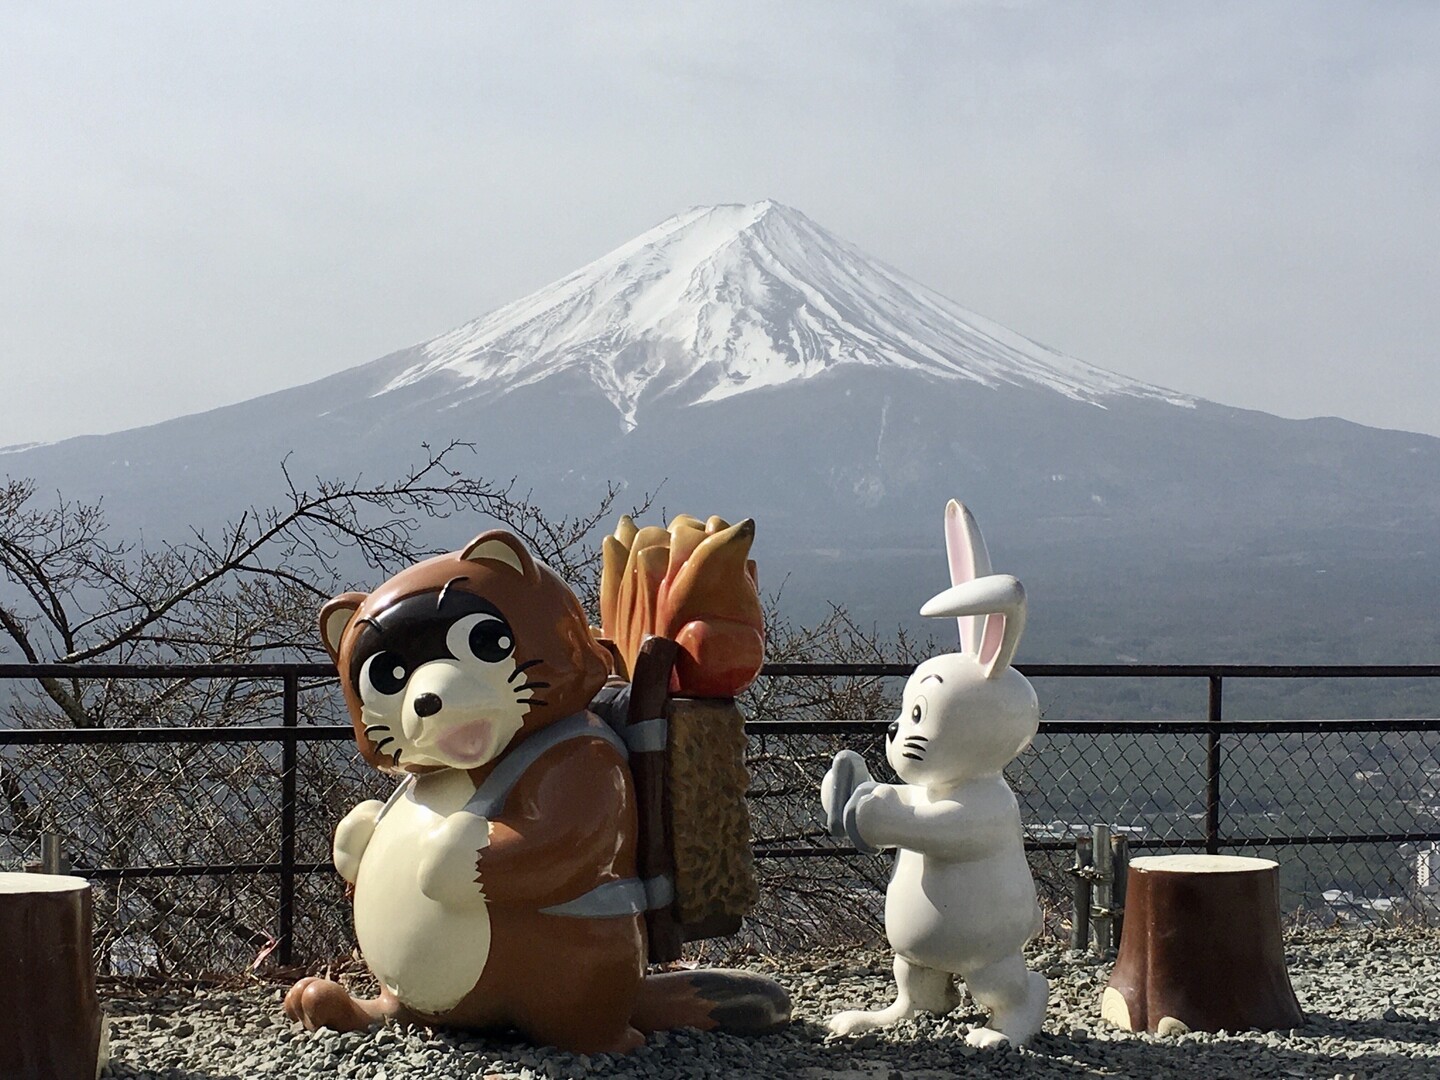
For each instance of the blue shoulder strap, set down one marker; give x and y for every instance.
(489, 798)
(395, 796)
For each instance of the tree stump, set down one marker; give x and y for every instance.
(1201, 946)
(49, 1014)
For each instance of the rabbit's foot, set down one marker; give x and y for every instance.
(1014, 1016)
(923, 989)
(985, 1038)
(858, 1021)
(318, 1003)
(920, 989)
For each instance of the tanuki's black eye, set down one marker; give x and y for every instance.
(387, 673)
(491, 640)
(485, 637)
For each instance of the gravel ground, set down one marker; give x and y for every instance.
(1372, 1003)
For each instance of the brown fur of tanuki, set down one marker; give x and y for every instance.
(710, 821)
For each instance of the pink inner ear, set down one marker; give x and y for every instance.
(994, 635)
(962, 568)
(957, 549)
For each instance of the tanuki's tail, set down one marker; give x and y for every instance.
(712, 999)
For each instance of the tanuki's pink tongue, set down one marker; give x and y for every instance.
(470, 742)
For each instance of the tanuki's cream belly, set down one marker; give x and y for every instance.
(427, 954)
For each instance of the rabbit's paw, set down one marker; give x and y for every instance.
(876, 817)
(847, 772)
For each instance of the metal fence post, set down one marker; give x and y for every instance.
(52, 860)
(1102, 913)
(1080, 894)
(1212, 773)
(1120, 871)
(288, 769)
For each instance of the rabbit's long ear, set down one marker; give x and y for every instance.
(1000, 599)
(965, 549)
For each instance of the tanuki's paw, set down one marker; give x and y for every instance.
(318, 1003)
(352, 836)
(626, 1042)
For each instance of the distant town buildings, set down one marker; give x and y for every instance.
(1427, 872)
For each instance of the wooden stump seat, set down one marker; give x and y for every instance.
(1202, 946)
(49, 1015)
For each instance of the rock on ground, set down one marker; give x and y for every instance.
(1372, 1003)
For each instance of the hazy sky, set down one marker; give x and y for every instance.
(203, 202)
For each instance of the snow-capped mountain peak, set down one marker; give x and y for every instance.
(721, 300)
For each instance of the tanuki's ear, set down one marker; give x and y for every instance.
(335, 616)
(500, 546)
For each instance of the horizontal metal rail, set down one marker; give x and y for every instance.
(1153, 843)
(780, 851)
(166, 671)
(1117, 727)
(1141, 671)
(117, 873)
(340, 732)
(1034, 671)
(209, 735)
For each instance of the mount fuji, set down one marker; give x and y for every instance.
(742, 360)
(719, 301)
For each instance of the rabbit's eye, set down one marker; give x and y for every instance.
(916, 713)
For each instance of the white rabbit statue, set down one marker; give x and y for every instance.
(961, 900)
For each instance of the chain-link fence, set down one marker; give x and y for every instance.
(209, 846)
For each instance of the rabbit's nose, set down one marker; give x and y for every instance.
(892, 730)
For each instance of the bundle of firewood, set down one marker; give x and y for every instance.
(694, 583)
(715, 882)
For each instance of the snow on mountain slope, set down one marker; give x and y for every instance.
(720, 300)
